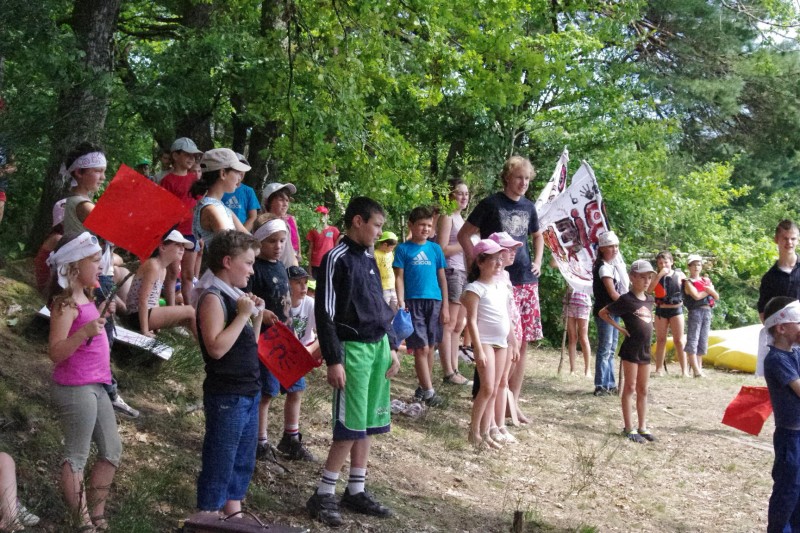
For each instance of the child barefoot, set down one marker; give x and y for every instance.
(231, 390)
(699, 298)
(486, 299)
(635, 309)
(577, 307)
(82, 366)
(145, 313)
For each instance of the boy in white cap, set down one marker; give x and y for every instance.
(270, 282)
(636, 309)
(782, 373)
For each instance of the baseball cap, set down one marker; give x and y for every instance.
(321, 209)
(387, 236)
(243, 159)
(58, 211)
(221, 158)
(486, 246)
(641, 266)
(272, 188)
(175, 236)
(184, 144)
(505, 240)
(608, 238)
(297, 272)
(692, 258)
(143, 161)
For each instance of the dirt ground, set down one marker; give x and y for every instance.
(570, 471)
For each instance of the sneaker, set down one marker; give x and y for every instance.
(600, 391)
(364, 503)
(434, 401)
(123, 408)
(647, 435)
(613, 391)
(325, 508)
(266, 452)
(418, 394)
(292, 447)
(634, 436)
(25, 517)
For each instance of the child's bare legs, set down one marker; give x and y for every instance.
(263, 417)
(642, 381)
(515, 379)
(165, 317)
(460, 323)
(661, 325)
(99, 487)
(173, 271)
(481, 419)
(582, 327)
(8, 492)
(676, 326)
(502, 369)
(291, 408)
(72, 487)
(448, 351)
(187, 275)
(631, 373)
(572, 342)
(423, 359)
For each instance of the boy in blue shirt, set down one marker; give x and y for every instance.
(782, 373)
(421, 288)
(243, 201)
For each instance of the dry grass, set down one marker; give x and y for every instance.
(570, 472)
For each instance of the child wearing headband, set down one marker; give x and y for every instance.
(270, 282)
(782, 373)
(81, 369)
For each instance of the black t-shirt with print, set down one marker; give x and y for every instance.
(518, 218)
(638, 318)
(271, 283)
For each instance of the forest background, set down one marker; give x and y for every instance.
(688, 110)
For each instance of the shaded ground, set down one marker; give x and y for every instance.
(571, 471)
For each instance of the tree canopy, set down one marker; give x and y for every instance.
(687, 109)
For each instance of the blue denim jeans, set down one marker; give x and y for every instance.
(229, 449)
(606, 348)
(784, 504)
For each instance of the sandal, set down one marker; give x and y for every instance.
(451, 379)
(100, 523)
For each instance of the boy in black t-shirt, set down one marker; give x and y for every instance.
(635, 308)
(271, 283)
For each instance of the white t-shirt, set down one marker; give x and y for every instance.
(493, 321)
(303, 322)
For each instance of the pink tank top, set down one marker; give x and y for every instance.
(90, 363)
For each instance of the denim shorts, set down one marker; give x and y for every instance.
(86, 415)
(271, 387)
(229, 449)
(425, 318)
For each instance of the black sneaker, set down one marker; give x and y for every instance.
(325, 508)
(292, 448)
(364, 503)
(613, 391)
(647, 435)
(418, 394)
(266, 452)
(434, 401)
(600, 391)
(633, 435)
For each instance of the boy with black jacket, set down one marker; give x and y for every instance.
(359, 347)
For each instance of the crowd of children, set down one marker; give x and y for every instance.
(449, 274)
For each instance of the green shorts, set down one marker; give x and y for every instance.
(363, 407)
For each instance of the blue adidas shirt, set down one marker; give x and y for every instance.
(240, 201)
(420, 263)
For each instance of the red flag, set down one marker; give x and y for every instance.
(749, 410)
(284, 355)
(134, 213)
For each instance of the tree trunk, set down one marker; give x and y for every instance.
(83, 106)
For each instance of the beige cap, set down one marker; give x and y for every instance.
(222, 158)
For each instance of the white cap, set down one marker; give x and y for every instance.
(272, 188)
(608, 238)
(175, 236)
(692, 258)
(641, 266)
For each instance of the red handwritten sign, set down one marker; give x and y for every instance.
(134, 213)
(284, 355)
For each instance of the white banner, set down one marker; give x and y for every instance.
(571, 222)
(554, 187)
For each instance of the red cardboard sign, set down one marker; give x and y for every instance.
(284, 355)
(134, 213)
(749, 410)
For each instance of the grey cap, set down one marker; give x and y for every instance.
(184, 144)
(272, 188)
(641, 266)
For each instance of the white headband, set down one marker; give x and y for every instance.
(787, 315)
(84, 245)
(90, 160)
(273, 226)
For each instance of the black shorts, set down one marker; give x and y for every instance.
(669, 312)
(132, 320)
